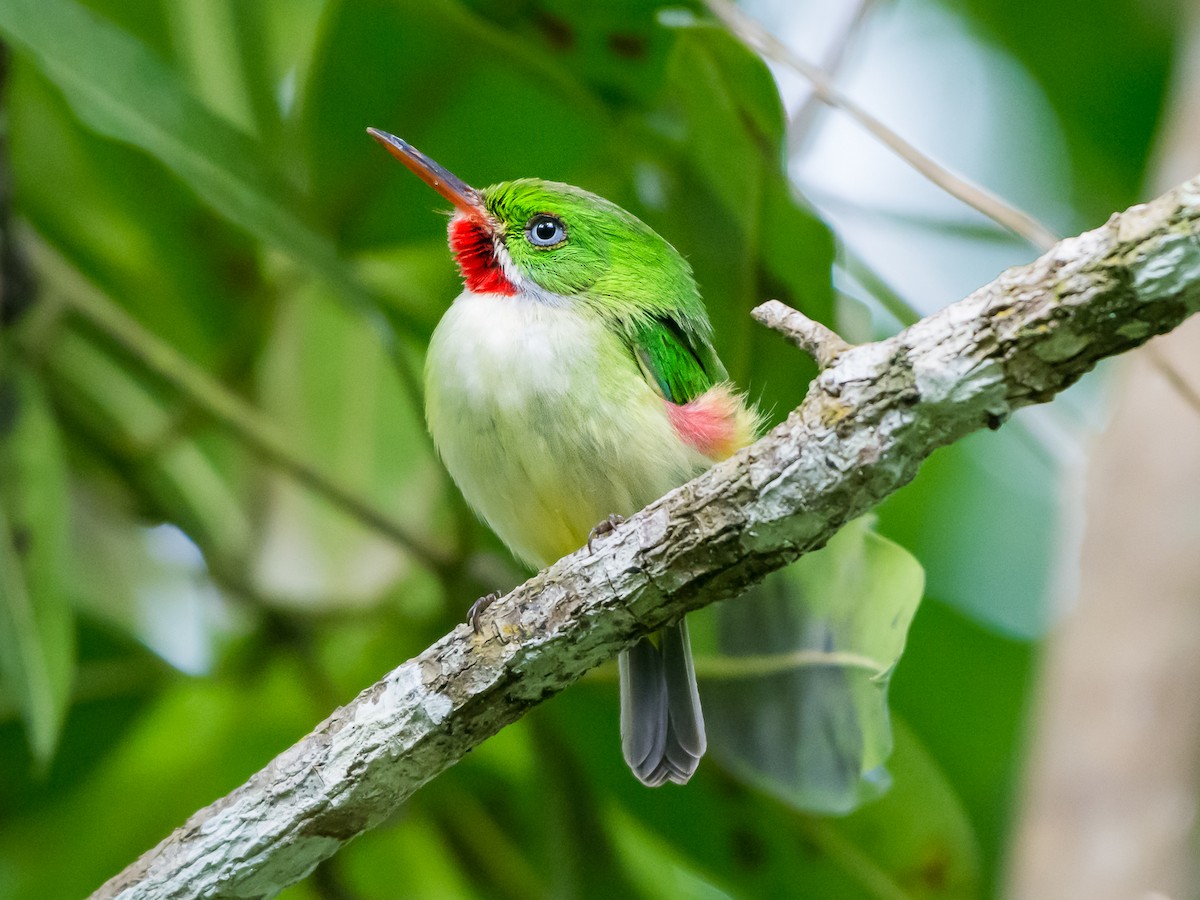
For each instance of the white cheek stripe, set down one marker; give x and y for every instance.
(525, 286)
(507, 266)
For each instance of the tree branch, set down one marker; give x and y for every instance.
(869, 420)
(820, 342)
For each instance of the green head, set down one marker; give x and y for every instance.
(560, 245)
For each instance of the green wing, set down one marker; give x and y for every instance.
(678, 362)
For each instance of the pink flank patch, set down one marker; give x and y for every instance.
(715, 423)
(473, 248)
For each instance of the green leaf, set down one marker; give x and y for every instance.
(327, 381)
(219, 44)
(180, 475)
(729, 116)
(114, 678)
(502, 110)
(158, 251)
(796, 701)
(123, 91)
(197, 740)
(983, 517)
(37, 647)
(719, 128)
(975, 729)
(933, 854)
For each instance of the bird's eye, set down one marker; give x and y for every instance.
(546, 231)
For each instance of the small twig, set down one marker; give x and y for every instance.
(815, 339)
(965, 227)
(973, 195)
(863, 431)
(979, 198)
(800, 125)
(1174, 377)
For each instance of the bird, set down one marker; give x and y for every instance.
(572, 382)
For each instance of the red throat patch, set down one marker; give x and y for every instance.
(474, 251)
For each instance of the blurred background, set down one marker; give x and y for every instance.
(221, 517)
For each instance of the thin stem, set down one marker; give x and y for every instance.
(815, 339)
(873, 878)
(980, 198)
(961, 227)
(802, 122)
(728, 668)
(887, 296)
(1174, 377)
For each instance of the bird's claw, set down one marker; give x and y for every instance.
(605, 526)
(478, 608)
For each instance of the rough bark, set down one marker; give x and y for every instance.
(869, 420)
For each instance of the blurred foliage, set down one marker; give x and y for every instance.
(1104, 67)
(796, 695)
(175, 608)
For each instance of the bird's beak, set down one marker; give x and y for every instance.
(450, 186)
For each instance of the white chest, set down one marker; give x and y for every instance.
(497, 353)
(545, 422)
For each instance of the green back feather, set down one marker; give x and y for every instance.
(669, 360)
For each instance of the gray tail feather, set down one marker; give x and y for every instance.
(662, 727)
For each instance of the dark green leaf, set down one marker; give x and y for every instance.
(37, 648)
(915, 842)
(120, 89)
(328, 382)
(728, 203)
(982, 516)
(130, 227)
(965, 690)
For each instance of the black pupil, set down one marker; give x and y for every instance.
(545, 230)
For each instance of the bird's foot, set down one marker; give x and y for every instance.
(478, 608)
(605, 526)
